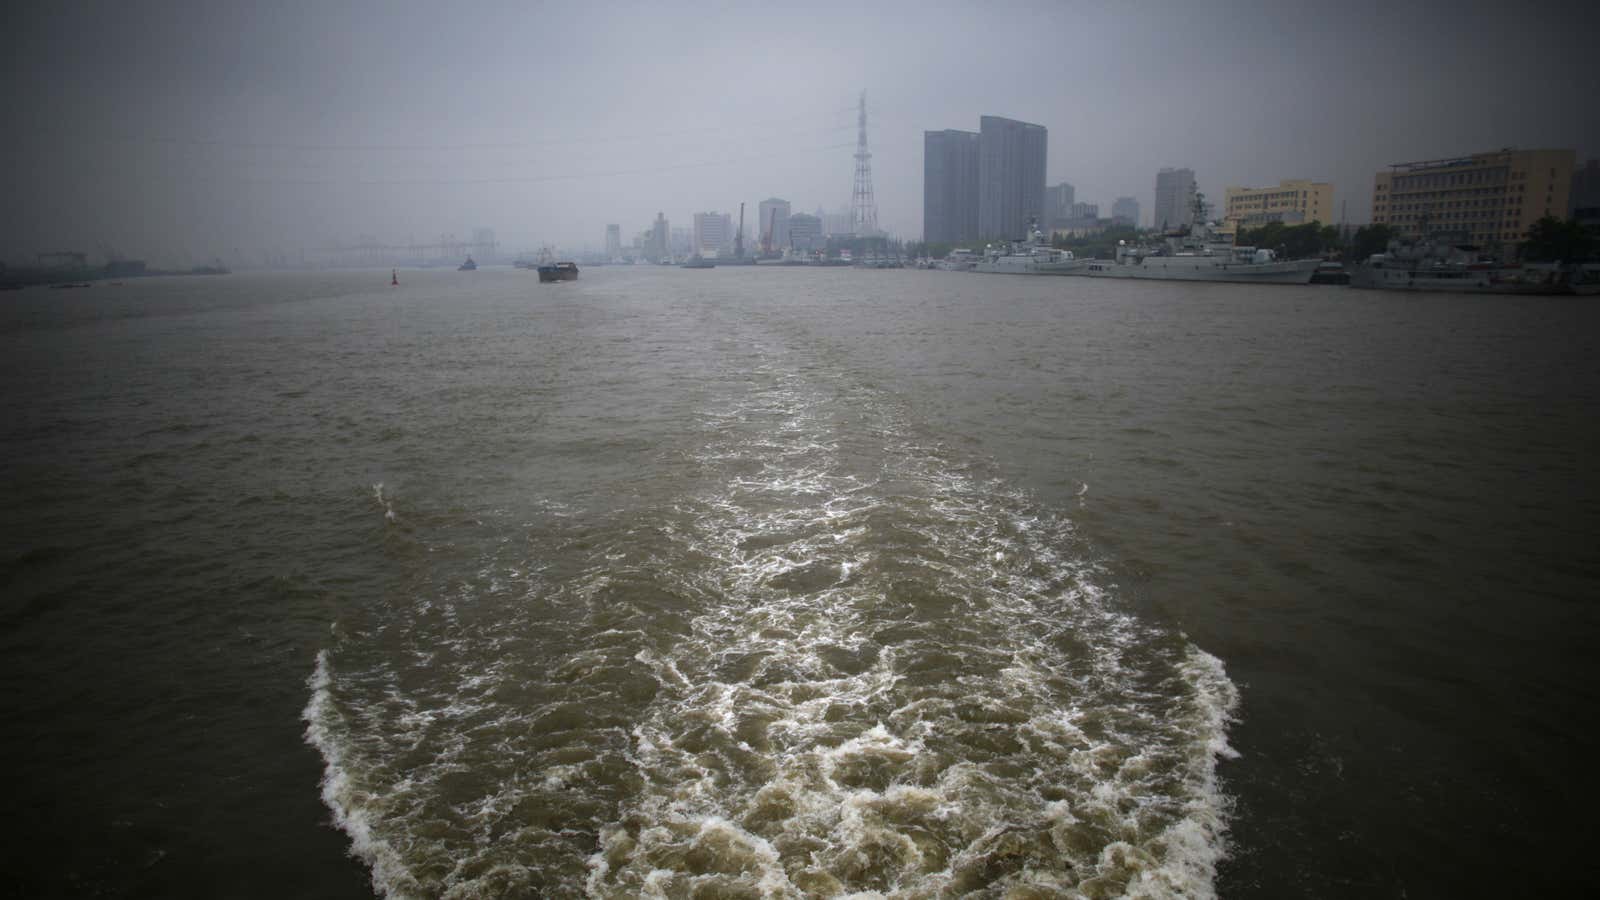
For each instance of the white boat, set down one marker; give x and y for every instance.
(959, 260)
(1032, 257)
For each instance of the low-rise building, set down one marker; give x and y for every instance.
(1083, 226)
(1492, 198)
(1293, 202)
(805, 232)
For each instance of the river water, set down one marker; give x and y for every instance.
(776, 582)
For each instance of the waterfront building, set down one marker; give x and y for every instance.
(1174, 199)
(659, 245)
(1125, 211)
(773, 216)
(949, 186)
(713, 233)
(682, 241)
(1293, 202)
(805, 232)
(1488, 198)
(1084, 226)
(613, 242)
(1011, 158)
(1058, 200)
(837, 224)
(1584, 202)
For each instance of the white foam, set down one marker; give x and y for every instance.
(898, 678)
(325, 729)
(388, 507)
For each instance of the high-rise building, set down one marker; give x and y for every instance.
(613, 242)
(681, 241)
(773, 225)
(483, 242)
(1011, 157)
(1058, 200)
(837, 224)
(1174, 199)
(949, 186)
(1125, 211)
(659, 246)
(1085, 211)
(713, 233)
(805, 232)
(1294, 202)
(1489, 198)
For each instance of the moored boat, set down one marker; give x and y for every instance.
(1434, 265)
(1330, 273)
(1200, 253)
(1034, 256)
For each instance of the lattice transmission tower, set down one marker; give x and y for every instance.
(864, 209)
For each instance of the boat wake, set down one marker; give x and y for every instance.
(844, 662)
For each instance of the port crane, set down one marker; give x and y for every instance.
(771, 233)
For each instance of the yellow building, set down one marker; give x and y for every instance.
(1490, 198)
(1294, 202)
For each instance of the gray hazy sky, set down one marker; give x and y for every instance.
(168, 130)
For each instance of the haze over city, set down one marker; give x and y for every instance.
(192, 130)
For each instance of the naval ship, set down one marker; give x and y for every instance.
(1200, 254)
(1034, 256)
(1438, 264)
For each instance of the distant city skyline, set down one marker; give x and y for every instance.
(271, 131)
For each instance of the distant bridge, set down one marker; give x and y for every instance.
(375, 252)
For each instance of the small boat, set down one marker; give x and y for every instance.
(1330, 273)
(468, 266)
(560, 271)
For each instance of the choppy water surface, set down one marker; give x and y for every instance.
(778, 583)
